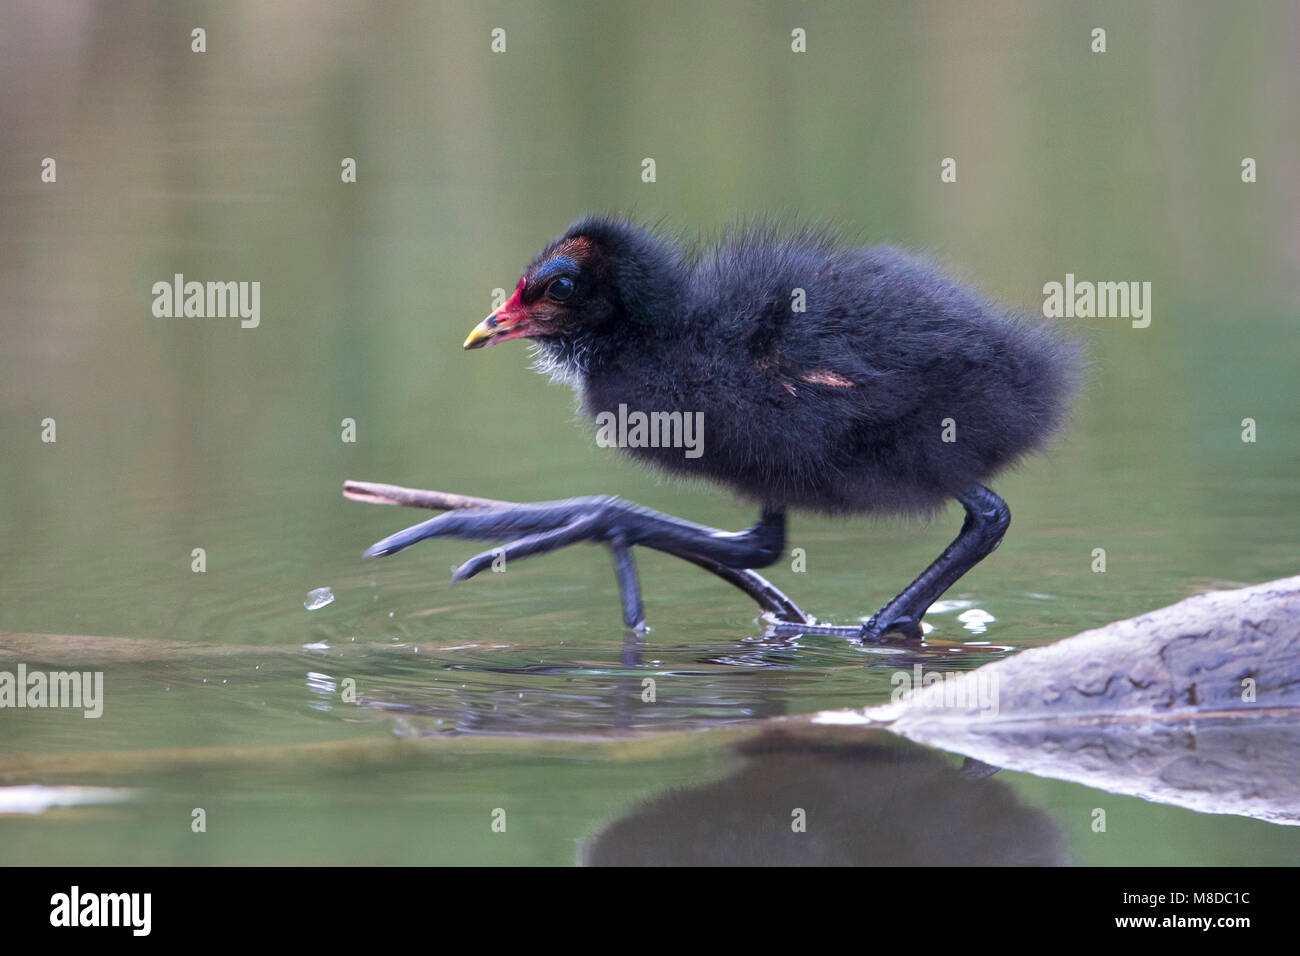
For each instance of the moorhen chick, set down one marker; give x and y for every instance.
(828, 378)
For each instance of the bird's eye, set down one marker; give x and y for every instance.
(560, 289)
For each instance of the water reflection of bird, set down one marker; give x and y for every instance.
(861, 801)
(833, 379)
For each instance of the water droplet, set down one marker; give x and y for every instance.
(976, 620)
(319, 598)
(942, 607)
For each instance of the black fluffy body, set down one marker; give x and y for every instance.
(840, 408)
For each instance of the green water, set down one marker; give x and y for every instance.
(223, 691)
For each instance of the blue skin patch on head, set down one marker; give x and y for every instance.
(560, 265)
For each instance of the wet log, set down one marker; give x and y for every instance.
(1196, 704)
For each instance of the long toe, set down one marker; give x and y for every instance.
(586, 528)
(486, 524)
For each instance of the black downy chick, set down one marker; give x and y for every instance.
(826, 378)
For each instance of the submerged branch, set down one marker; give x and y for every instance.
(377, 493)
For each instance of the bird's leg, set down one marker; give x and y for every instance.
(987, 518)
(767, 595)
(545, 526)
(548, 525)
